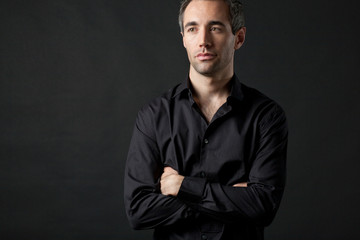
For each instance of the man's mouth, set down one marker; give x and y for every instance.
(205, 56)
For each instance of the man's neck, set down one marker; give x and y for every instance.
(210, 87)
(210, 92)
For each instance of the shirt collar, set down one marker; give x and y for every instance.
(235, 93)
(183, 87)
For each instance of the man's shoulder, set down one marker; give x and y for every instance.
(160, 103)
(258, 101)
(253, 96)
(154, 114)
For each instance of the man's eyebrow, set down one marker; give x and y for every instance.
(216, 23)
(193, 23)
(211, 23)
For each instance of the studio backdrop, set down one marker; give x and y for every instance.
(73, 75)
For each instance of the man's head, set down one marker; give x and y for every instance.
(237, 17)
(209, 37)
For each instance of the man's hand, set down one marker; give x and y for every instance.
(170, 182)
(243, 184)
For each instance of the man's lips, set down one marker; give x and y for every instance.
(205, 56)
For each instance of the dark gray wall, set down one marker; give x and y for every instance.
(73, 75)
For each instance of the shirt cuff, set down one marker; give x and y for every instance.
(191, 189)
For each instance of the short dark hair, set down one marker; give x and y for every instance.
(237, 17)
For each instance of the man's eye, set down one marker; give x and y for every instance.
(191, 29)
(214, 29)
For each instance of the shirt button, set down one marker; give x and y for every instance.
(204, 237)
(206, 141)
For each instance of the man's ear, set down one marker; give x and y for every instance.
(182, 35)
(240, 38)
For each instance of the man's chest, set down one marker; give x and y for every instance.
(221, 151)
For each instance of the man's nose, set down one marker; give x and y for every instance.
(204, 39)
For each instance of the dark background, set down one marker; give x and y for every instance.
(73, 75)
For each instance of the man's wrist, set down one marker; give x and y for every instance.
(192, 189)
(179, 181)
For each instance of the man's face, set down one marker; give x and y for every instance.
(208, 38)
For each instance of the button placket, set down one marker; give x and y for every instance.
(205, 142)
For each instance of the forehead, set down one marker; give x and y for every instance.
(201, 11)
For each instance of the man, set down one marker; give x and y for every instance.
(207, 159)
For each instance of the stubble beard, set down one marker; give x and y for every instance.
(211, 68)
(206, 68)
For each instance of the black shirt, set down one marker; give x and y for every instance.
(245, 141)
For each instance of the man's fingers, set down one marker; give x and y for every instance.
(170, 185)
(243, 184)
(168, 171)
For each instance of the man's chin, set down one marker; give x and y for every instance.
(205, 70)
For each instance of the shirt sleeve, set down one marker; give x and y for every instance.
(259, 201)
(145, 206)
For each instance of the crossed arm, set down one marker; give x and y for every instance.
(155, 195)
(171, 180)
(150, 190)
